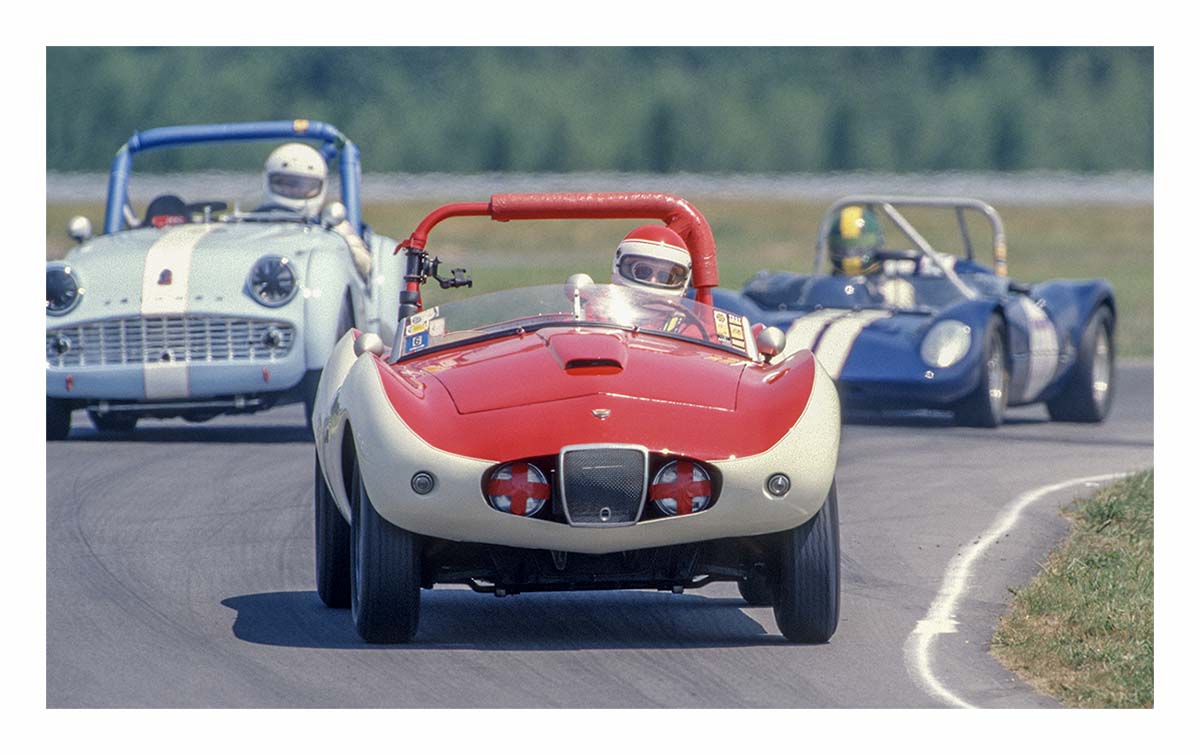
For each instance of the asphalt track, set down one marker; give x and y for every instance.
(179, 574)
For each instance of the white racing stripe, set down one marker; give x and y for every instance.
(804, 332)
(940, 619)
(834, 347)
(1043, 349)
(165, 278)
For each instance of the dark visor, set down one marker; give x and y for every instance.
(295, 187)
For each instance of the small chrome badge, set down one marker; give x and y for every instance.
(605, 514)
(601, 414)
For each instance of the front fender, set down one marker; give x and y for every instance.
(328, 307)
(329, 418)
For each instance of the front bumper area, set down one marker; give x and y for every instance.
(389, 454)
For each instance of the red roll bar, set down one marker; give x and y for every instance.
(678, 214)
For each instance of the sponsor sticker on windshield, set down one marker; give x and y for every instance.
(417, 330)
(721, 321)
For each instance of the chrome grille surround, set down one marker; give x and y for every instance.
(168, 338)
(596, 477)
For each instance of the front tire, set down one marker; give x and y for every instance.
(113, 422)
(808, 601)
(58, 419)
(312, 380)
(385, 568)
(985, 406)
(332, 535)
(1088, 393)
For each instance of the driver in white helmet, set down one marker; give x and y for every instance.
(294, 179)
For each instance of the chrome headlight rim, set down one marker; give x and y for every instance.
(252, 287)
(946, 343)
(71, 272)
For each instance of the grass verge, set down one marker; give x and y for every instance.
(1083, 630)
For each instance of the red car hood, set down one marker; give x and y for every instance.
(552, 364)
(530, 395)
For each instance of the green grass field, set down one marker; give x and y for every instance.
(1114, 242)
(1083, 630)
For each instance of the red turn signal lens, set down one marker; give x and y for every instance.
(681, 487)
(518, 488)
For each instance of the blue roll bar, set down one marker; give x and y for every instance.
(333, 143)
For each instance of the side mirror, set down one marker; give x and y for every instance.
(368, 342)
(576, 282)
(79, 228)
(771, 342)
(334, 214)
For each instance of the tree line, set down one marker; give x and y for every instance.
(728, 110)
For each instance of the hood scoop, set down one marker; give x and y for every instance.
(580, 353)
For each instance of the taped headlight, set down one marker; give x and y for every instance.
(946, 343)
(62, 289)
(681, 487)
(518, 488)
(272, 281)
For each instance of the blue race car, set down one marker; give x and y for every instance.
(910, 327)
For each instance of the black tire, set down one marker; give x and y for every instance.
(58, 419)
(312, 379)
(116, 422)
(1088, 393)
(808, 601)
(985, 406)
(332, 545)
(757, 590)
(385, 568)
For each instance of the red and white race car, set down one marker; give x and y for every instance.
(576, 436)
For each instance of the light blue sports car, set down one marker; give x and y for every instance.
(194, 311)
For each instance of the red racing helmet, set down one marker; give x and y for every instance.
(653, 258)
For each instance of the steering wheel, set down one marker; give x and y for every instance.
(688, 315)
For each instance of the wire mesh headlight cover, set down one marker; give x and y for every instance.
(62, 289)
(272, 281)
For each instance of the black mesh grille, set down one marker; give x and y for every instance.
(603, 486)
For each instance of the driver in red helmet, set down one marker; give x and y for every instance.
(653, 258)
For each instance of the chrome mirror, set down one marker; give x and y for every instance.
(771, 342)
(79, 228)
(334, 214)
(368, 342)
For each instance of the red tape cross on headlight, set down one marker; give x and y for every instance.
(683, 489)
(519, 489)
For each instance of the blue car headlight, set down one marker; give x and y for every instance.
(62, 289)
(946, 343)
(272, 281)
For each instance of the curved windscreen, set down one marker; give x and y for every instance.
(603, 305)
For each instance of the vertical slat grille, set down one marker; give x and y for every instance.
(138, 340)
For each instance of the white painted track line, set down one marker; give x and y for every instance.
(919, 649)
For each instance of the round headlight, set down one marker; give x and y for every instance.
(518, 488)
(62, 289)
(272, 281)
(946, 343)
(681, 487)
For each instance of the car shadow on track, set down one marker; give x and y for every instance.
(264, 434)
(461, 619)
